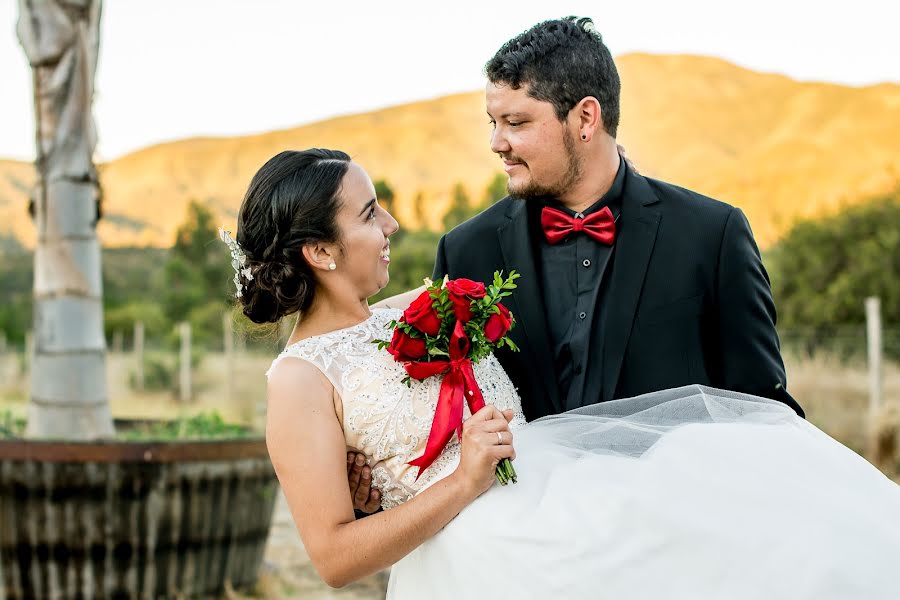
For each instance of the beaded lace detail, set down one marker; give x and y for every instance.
(384, 418)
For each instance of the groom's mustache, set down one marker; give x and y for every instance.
(510, 158)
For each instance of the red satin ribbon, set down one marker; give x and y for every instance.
(459, 385)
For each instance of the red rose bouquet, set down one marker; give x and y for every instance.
(453, 324)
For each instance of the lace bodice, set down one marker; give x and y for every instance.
(384, 418)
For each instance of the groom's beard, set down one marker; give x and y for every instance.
(533, 190)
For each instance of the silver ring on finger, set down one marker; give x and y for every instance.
(499, 439)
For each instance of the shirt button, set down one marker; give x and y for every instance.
(582, 315)
(586, 262)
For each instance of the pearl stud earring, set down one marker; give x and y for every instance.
(332, 266)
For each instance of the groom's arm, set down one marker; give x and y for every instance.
(440, 261)
(401, 301)
(750, 354)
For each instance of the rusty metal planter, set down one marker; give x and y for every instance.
(132, 519)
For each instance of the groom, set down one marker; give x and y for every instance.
(628, 284)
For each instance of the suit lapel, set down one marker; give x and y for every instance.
(527, 302)
(636, 236)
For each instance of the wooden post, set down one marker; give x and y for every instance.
(117, 341)
(227, 334)
(184, 379)
(139, 355)
(228, 345)
(29, 352)
(874, 343)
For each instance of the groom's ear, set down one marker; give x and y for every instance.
(588, 116)
(319, 256)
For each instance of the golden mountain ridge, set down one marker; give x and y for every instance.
(777, 148)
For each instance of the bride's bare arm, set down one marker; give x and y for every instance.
(307, 447)
(400, 301)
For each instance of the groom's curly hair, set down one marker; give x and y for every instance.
(561, 61)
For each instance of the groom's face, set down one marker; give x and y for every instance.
(538, 151)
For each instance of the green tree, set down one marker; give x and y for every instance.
(496, 189)
(822, 271)
(385, 194)
(198, 274)
(122, 318)
(421, 210)
(197, 243)
(460, 208)
(16, 292)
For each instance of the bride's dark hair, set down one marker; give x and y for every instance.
(292, 201)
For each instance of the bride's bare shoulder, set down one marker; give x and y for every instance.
(293, 379)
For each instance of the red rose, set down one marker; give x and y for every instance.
(422, 316)
(404, 347)
(462, 292)
(498, 324)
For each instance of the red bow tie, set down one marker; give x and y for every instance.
(558, 225)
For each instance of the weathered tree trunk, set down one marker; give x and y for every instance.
(68, 372)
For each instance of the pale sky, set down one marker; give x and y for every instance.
(171, 69)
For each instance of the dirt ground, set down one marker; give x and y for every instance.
(287, 572)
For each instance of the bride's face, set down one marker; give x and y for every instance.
(364, 228)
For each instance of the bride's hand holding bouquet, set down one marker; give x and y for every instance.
(444, 331)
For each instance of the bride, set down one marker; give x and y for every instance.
(685, 493)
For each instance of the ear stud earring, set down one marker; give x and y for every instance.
(332, 266)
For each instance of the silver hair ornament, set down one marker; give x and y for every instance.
(238, 261)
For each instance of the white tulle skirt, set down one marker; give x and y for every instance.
(691, 493)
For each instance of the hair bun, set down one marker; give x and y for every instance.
(276, 290)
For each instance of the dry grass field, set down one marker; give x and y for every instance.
(834, 393)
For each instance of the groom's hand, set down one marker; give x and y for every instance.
(359, 476)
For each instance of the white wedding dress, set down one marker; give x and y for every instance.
(693, 493)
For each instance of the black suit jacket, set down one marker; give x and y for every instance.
(687, 300)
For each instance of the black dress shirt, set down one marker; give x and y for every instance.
(572, 273)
